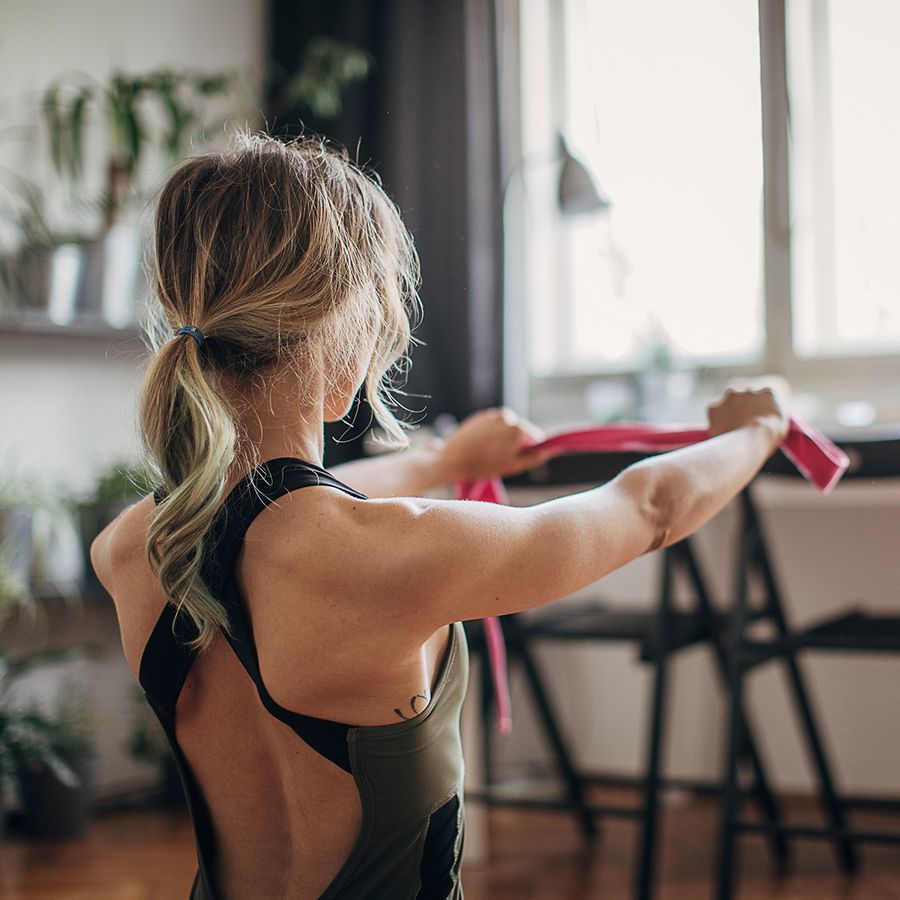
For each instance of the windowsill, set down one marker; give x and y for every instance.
(832, 401)
(36, 322)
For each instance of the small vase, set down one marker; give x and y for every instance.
(50, 280)
(113, 277)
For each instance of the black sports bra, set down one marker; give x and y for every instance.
(165, 661)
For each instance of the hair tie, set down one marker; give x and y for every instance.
(194, 332)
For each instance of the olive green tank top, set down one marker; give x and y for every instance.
(409, 774)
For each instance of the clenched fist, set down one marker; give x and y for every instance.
(492, 442)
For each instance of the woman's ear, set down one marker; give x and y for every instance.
(338, 401)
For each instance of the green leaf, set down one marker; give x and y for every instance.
(51, 116)
(134, 137)
(327, 68)
(179, 117)
(216, 83)
(77, 131)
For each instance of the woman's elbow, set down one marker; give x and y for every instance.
(655, 503)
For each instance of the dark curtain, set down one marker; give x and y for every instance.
(426, 120)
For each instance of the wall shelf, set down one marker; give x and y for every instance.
(35, 322)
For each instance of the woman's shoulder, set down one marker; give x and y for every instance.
(118, 544)
(321, 559)
(324, 571)
(324, 538)
(118, 557)
(312, 573)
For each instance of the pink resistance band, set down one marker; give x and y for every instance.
(816, 458)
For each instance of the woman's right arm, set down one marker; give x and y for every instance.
(444, 560)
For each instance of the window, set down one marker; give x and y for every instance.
(844, 80)
(662, 102)
(665, 110)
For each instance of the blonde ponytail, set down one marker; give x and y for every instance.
(284, 253)
(190, 433)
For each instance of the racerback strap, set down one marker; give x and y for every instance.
(166, 661)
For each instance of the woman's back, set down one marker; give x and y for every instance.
(285, 805)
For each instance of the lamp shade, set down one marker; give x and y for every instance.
(578, 191)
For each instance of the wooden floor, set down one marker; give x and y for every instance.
(536, 856)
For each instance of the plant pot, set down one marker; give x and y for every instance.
(90, 300)
(52, 809)
(113, 275)
(51, 279)
(32, 277)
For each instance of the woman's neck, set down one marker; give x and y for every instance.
(275, 419)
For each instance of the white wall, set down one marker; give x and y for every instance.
(67, 404)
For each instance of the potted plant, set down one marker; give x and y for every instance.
(113, 256)
(47, 272)
(121, 100)
(326, 69)
(54, 768)
(19, 496)
(47, 756)
(15, 588)
(40, 543)
(97, 271)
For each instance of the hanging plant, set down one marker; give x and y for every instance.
(182, 95)
(327, 68)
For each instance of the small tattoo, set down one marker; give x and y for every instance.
(412, 706)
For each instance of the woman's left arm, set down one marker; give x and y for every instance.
(489, 442)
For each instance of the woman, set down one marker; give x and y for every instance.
(303, 649)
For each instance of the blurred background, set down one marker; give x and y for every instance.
(619, 206)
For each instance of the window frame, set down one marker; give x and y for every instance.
(826, 375)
